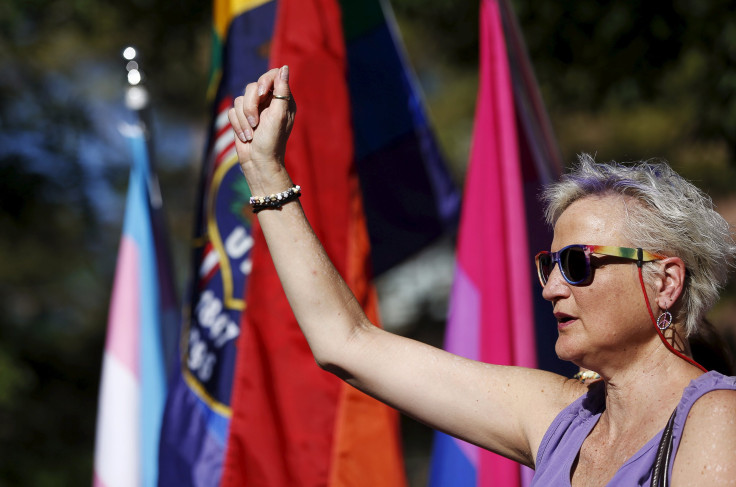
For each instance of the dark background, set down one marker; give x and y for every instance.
(623, 80)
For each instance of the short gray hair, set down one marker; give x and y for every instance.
(673, 218)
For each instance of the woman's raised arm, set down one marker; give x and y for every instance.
(504, 409)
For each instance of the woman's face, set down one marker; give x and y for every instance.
(605, 320)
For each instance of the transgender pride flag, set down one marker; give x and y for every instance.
(494, 296)
(133, 385)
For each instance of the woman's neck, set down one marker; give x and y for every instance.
(653, 383)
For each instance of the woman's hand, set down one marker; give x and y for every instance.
(262, 120)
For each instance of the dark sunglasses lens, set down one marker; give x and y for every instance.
(544, 266)
(574, 264)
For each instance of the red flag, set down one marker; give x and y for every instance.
(293, 423)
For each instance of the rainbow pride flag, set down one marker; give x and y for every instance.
(402, 184)
(293, 423)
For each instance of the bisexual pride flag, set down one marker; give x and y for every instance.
(497, 314)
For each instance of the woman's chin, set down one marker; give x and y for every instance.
(566, 350)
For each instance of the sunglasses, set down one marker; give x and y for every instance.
(574, 260)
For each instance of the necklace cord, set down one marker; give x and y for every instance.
(659, 332)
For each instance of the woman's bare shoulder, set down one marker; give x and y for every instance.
(707, 452)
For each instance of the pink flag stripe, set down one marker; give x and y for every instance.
(499, 164)
(122, 335)
(509, 163)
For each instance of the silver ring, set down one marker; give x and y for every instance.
(279, 97)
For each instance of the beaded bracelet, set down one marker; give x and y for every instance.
(277, 200)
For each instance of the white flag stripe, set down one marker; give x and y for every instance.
(221, 120)
(211, 260)
(117, 446)
(223, 141)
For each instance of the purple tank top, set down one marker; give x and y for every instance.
(565, 436)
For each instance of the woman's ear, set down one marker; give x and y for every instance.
(671, 282)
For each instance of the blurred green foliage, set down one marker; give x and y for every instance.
(49, 252)
(624, 80)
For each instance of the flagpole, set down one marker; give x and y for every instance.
(533, 115)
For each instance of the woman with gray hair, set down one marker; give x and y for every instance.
(664, 213)
(637, 259)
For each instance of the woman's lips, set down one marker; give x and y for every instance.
(564, 320)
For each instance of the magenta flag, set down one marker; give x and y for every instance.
(492, 304)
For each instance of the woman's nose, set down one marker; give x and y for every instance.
(556, 286)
